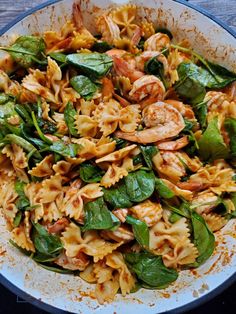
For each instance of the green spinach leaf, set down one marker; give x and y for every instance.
(140, 185)
(84, 86)
(150, 269)
(192, 82)
(58, 56)
(94, 65)
(97, 216)
(203, 239)
(65, 149)
(230, 126)
(27, 50)
(7, 106)
(201, 113)
(140, 230)
(148, 153)
(46, 243)
(101, 46)
(163, 189)
(90, 173)
(211, 143)
(155, 67)
(69, 115)
(117, 196)
(22, 203)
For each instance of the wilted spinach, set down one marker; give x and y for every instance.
(148, 153)
(45, 243)
(191, 83)
(7, 106)
(27, 50)
(203, 239)
(150, 270)
(58, 56)
(97, 216)
(211, 143)
(101, 46)
(120, 143)
(65, 149)
(163, 189)
(216, 75)
(22, 203)
(140, 185)
(69, 116)
(84, 86)
(117, 197)
(200, 110)
(230, 126)
(140, 230)
(95, 65)
(90, 173)
(155, 67)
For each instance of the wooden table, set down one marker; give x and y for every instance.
(223, 9)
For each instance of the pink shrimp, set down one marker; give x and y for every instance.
(157, 42)
(125, 68)
(185, 110)
(58, 226)
(80, 262)
(173, 145)
(147, 86)
(162, 121)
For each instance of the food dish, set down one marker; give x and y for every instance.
(102, 114)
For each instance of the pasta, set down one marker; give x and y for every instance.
(110, 165)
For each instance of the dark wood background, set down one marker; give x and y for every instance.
(223, 9)
(226, 302)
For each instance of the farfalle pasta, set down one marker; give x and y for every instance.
(111, 166)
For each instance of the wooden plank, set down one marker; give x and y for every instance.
(222, 9)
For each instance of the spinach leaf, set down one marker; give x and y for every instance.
(163, 189)
(94, 65)
(84, 86)
(211, 143)
(138, 159)
(140, 185)
(58, 56)
(65, 149)
(69, 115)
(22, 202)
(97, 216)
(203, 239)
(230, 126)
(90, 173)
(192, 82)
(140, 230)
(27, 50)
(148, 153)
(220, 76)
(120, 143)
(155, 67)
(101, 46)
(46, 243)
(188, 125)
(140, 45)
(17, 219)
(45, 126)
(28, 147)
(7, 106)
(117, 197)
(200, 110)
(24, 114)
(150, 269)
(217, 76)
(40, 133)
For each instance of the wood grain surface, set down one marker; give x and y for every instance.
(222, 9)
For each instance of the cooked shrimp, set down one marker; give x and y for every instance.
(80, 262)
(157, 42)
(116, 52)
(205, 202)
(191, 186)
(123, 233)
(125, 68)
(162, 121)
(137, 34)
(144, 57)
(58, 226)
(121, 213)
(185, 110)
(173, 145)
(147, 86)
(109, 30)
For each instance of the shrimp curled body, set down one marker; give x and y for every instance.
(162, 121)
